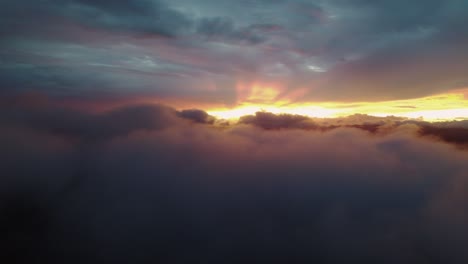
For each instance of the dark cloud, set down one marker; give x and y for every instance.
(145, 16)
(456, 135)
(83, 126)
(197, 115)
(155, 187)
(455, 132)
(268, 120)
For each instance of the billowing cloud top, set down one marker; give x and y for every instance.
(150, 184)
(206, 50)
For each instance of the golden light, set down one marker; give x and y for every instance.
(306, 110)
(435, 115)
(441, 107)
(266, 93)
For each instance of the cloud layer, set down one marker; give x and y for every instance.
(148, 184)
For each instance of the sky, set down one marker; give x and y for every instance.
(248, 131)
(335, 57)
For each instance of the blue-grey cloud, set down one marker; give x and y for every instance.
(224, 29)
(336, 50)
(145, 16)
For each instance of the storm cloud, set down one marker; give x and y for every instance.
(147, 184)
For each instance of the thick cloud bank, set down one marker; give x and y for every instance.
(149, 184)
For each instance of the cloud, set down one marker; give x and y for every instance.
(130, 16)
(196, 115)
(71, 124)
(221, 28)
(456, 135)
(268, 120)
(363, 50)
(144, 184)
(454, 132)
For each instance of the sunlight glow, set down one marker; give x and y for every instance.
(306, 110)
(442, 107)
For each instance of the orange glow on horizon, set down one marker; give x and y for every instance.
(441, 107)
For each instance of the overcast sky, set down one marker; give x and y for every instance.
(201, 51)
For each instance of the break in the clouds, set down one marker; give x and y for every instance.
(149, 184)
(200, 51)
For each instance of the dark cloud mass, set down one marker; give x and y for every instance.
(149, 184)
(196, 115)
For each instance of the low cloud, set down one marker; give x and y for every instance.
(268, 120)
(196, 115)
(147, 184)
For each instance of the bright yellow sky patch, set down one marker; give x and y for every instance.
(448, 106)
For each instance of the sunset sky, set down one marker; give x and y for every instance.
(333, 57)
(234, 131)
